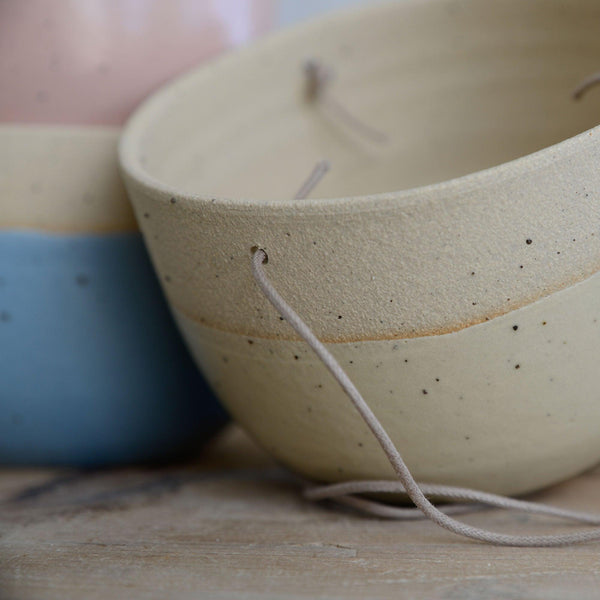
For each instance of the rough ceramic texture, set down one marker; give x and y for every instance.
(508, 406)
(212, 162)
(93, 370)
(458, 98)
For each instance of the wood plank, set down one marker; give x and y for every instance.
(233, 525)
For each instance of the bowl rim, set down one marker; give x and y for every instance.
(161, 101)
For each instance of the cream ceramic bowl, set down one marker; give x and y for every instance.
(465, 306)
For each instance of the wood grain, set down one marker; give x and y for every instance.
(233, 525)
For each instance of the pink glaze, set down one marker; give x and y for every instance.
(92, 61)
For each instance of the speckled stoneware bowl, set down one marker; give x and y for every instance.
(465, 306)
(92, 369)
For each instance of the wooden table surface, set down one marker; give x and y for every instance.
(233, 525)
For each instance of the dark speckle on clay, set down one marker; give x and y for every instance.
(517, 366)
(173, 200)
(425, 392)
(528, 241)
(81, 279)
(515, 327)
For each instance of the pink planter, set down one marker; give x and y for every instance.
(92, 61)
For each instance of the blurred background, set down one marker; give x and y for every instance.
(292, 11)
(91, 375)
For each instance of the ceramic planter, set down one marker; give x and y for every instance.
(93, 370)
(464, 306)
(92, 62)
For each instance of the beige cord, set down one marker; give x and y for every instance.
(447, 492)
(409, 485)
(586, 85)
(312, 180)
(318, 77)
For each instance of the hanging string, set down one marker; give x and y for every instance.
(340, 491)
(345, 493)
(318, 77)
(586, 85)
(312, 180)
(414, 491)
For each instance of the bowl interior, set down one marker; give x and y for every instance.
(456, 87)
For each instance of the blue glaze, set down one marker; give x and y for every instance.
(92, 369)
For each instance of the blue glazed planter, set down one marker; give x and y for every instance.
(92, 368)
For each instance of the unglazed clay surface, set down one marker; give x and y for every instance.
(506, 406)
(212, 162)
(451, 83)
